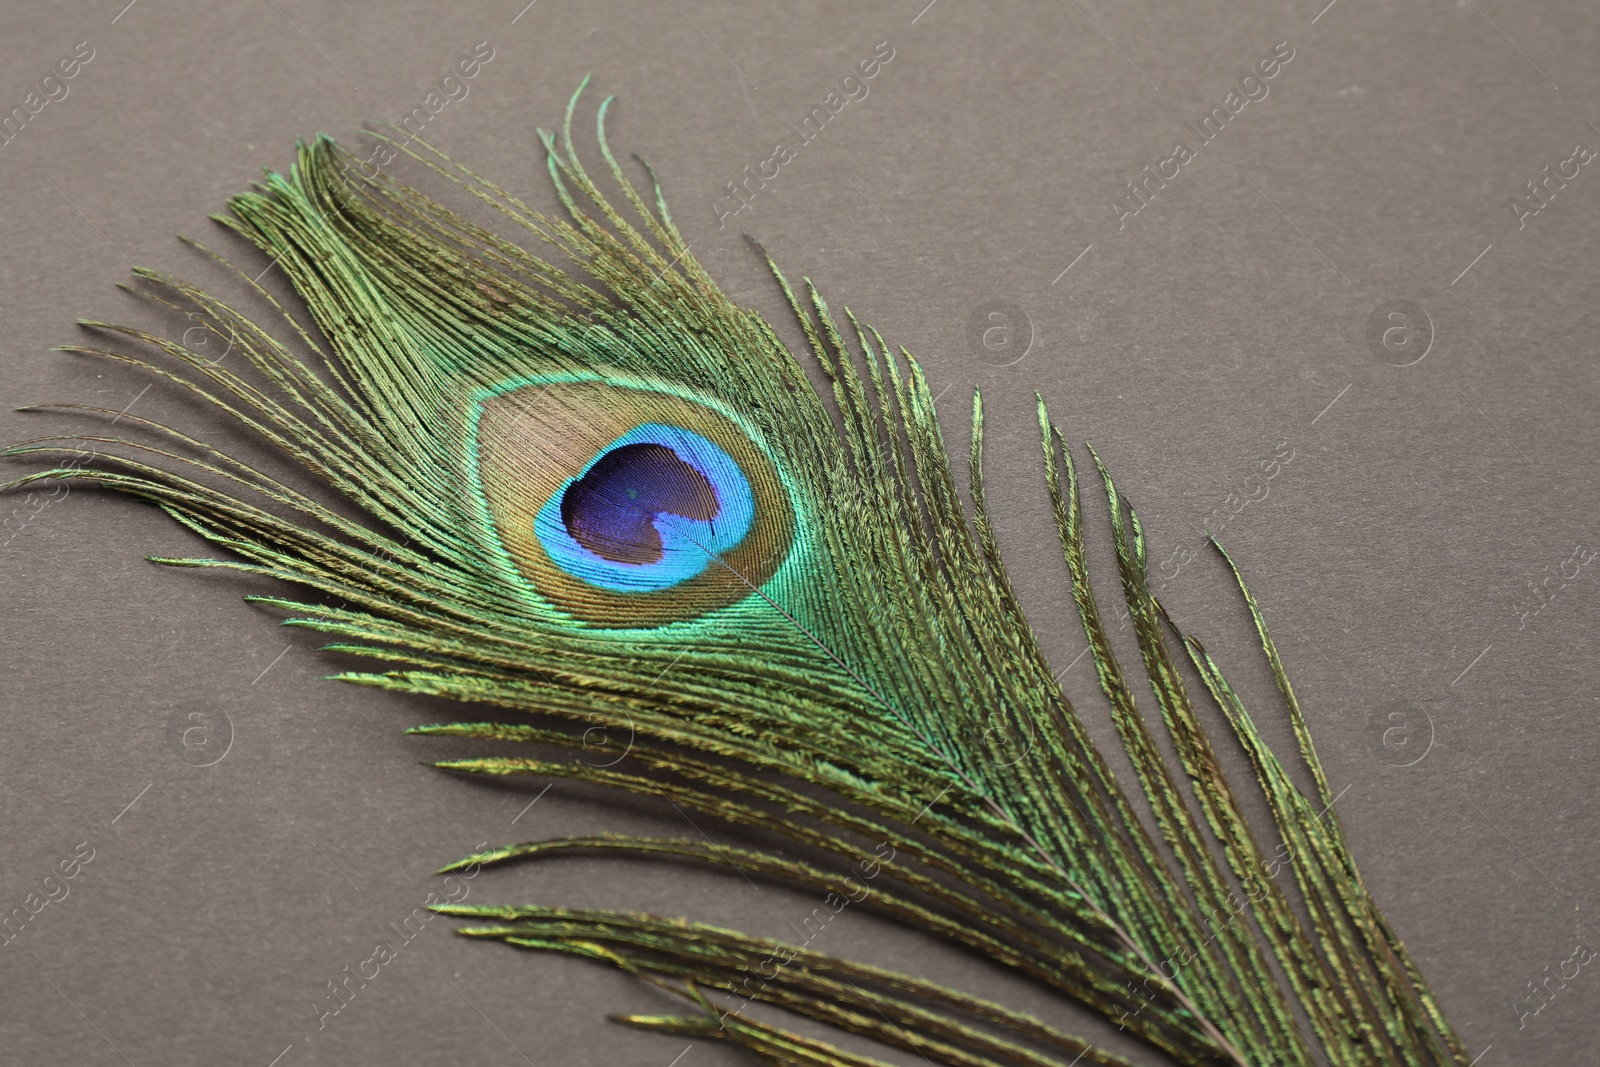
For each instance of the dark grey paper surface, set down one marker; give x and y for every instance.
(1338, 272)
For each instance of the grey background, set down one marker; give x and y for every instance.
(1393, 553)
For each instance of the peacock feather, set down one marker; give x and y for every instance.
(595, 494)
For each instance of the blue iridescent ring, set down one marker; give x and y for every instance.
(651, 510)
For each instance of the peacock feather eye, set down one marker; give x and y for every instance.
(626, 504)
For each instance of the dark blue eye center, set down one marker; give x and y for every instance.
(611, 510)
